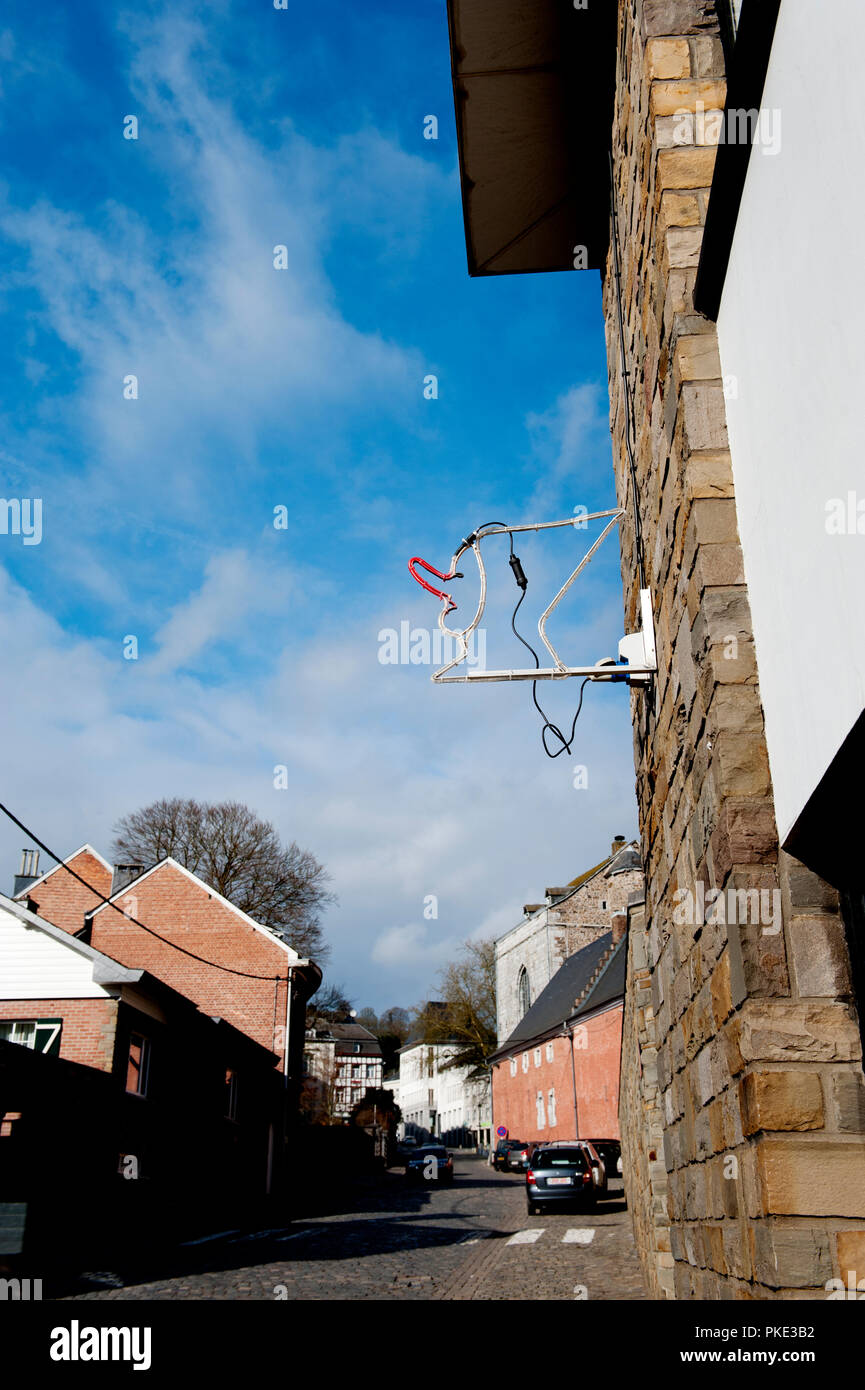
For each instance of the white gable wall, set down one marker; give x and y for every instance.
(33, 965)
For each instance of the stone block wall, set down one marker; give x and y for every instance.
(641, 1117)
(744, 1003)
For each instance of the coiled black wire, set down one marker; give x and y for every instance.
(549, 727)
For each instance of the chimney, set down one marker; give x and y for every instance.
(620, 926)
(124, 874)
(28, 872)
(618, 843)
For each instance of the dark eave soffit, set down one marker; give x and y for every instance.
(533, 89)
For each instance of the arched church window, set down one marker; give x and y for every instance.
(524, 991)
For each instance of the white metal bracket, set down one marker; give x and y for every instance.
(637, 652)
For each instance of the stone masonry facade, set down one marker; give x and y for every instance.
(743, 1109)
(552, 931)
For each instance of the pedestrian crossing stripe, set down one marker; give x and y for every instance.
(527, 1237)
(578, 1236)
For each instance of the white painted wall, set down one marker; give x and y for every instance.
(33, 965)
(456, 1100)
(791, 333)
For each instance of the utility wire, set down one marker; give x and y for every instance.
(228, 970)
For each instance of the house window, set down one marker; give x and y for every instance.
(540, 1110)
(549, 1052)
(603, 904)
(524, 991)
(513, 1066)
(525, 1061)
(537, 1056)
(551, 1107)
(39, 1034)
(138, 1065)
(231, 1094)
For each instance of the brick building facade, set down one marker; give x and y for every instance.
(134, 1084)
(557, 1075)
(181, 910)
(742, 1103)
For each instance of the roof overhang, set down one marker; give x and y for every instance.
(533, 89)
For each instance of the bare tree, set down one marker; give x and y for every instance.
(226, 844)
(330, 1004)
(466, 1013)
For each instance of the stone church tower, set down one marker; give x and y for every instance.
(528, 956)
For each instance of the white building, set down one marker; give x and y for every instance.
(449, 1103)
(341, 1062)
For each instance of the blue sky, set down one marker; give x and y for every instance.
(301, 388)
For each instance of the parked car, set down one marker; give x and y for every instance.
(431, 1163)
(560, 1173)
(518, 1159)
(610, 1151)
(503, 1149)
(596, 1162)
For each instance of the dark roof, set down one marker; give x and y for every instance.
(572, 992)
(626, 858)
(350, 1030)
(610, 984)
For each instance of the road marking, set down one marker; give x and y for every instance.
(527, 1237)
(203, 1240)
(578, 1236)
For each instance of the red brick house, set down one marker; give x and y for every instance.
(60, 898)
(146, 1083)
(244, 969)
(557, 1075)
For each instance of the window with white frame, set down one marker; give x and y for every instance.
(540, 1104)
(549, 1052)
(551, 1106)
(39, 1034)
(537, 1056)
(525, 1061)
(513, 1066)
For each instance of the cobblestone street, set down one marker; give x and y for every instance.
(471, 1240)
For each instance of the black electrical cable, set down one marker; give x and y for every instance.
(227, 969)
(523, 583)
(549, 726)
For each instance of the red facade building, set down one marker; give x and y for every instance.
(557, 1075)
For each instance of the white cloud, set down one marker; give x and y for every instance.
(411, 946)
